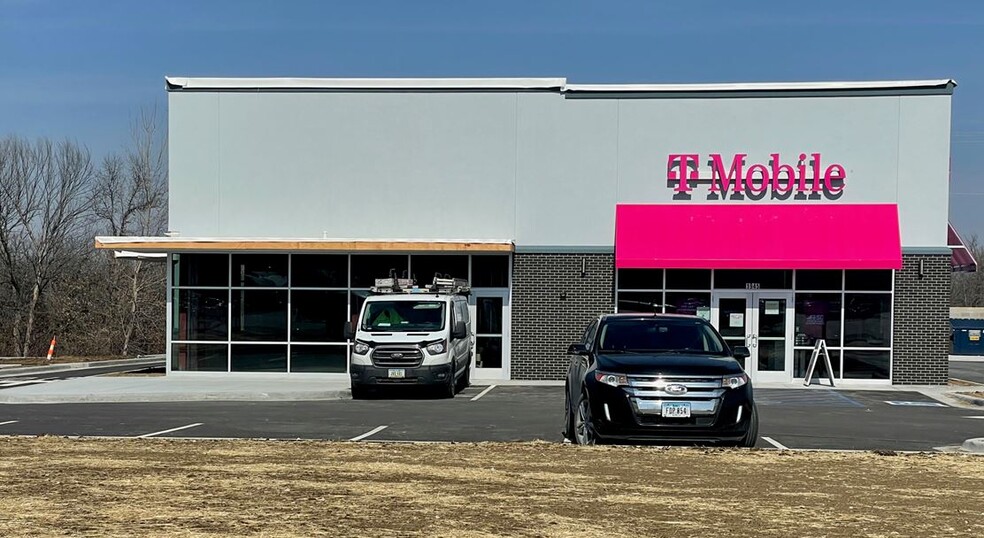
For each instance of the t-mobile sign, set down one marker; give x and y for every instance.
(804, 177)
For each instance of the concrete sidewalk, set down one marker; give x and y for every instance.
(18, 370)
(175, 389)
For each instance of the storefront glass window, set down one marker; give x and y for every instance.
(867, 320)
(319, 271)
(259, 358)
(640, 279)
(818, 315)
(868, 280)
(802, 362)
(259, 315)
(326, 359)
(259, 270)
(687, 302)
(819, 280)
(423, 267)
(688, 279)
(866, 364)
(490, 271)
(753, 279)
(200, 357)
(200, 270)
(366, 268)
(640, 301)
(201, 315)
(318, 316)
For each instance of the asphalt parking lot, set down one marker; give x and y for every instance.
(816, 418)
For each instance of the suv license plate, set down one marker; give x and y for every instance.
(676, 410)
(400, 373)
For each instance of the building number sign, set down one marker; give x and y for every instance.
(752, 286)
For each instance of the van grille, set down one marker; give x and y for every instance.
(399, 356)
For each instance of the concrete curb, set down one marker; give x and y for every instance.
(157, 397)
(972, 400)
(140, 361)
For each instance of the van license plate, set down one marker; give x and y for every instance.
(400, 373)
(676, 410)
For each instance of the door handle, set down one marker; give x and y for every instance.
(752, 340)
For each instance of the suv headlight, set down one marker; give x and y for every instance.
(614, 380)
(436, 348)
(734, 381)
(360, 348)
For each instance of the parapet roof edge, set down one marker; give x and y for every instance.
(190, 83)
(554, 84)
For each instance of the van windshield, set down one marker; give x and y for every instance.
(403, 316)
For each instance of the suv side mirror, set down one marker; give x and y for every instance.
(348, 332)
(741, 352)
(460, 331)
(577, 349)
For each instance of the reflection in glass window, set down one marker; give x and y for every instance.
(640, 301)
(688, 279)
(488, 352)
(818, 315)
(865, 364)
(867, 320)
(259, 270)
(868, 280)
(488, 311)
(200, 315)
(819, 280)
(318, 316)
(308, 358)
(686, 302)
(259, 315)
(259, 358)
(366, 268)
(319, 271)
(490, 271)
(199, 357)
(200, 270)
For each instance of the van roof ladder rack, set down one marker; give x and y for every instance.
(446, 286)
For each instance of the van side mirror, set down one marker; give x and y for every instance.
(741, 352)
(460, 331)
(348, 332)
(577, 349)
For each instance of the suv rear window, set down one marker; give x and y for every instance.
(659, 334)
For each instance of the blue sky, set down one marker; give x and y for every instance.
(82, 69)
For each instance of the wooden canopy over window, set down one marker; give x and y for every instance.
(177, 244)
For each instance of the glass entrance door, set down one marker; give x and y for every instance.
(490, 322)
(763, 322)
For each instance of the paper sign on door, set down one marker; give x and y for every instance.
(771, 308)
(736, 320)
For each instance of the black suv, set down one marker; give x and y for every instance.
(658, 378)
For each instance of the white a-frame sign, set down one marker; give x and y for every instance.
(820, 347)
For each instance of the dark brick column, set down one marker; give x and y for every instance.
(922, 321)
(552, 303)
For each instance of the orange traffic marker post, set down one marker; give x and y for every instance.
(51, 349)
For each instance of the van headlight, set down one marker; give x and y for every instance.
(436, 348)
(734, 381)
(360, 348)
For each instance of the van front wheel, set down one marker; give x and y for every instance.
(448, 389)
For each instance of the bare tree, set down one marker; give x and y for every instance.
(44, 205)
(968, 288)
(130, 199)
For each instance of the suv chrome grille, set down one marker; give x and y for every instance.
(647, 393)
(398, 356)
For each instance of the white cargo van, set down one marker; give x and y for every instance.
(410, 335)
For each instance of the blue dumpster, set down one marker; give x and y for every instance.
(967, 336)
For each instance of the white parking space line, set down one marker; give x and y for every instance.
(7, 422)
(775, 443)
(964, 417)
(483, 393)
(144, 436)
(369, 433)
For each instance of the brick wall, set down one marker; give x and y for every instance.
(552, 303)
(922, 321)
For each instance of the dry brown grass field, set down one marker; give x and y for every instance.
(158, 487)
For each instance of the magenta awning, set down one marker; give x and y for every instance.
(757, 236)
(961, 259)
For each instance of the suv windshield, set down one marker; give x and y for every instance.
(659, 334)
(403, 316)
